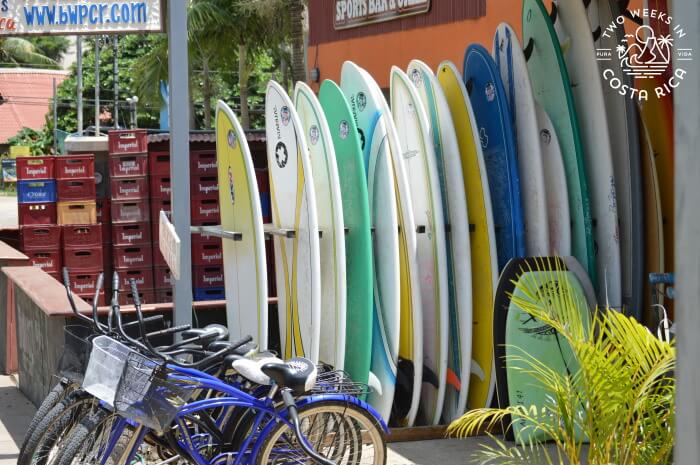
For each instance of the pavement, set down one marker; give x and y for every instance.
(8, 211)
(15, 415)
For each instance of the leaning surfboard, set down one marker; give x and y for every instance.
(454, 204)
(482, 237)
(412, 125)
(245, 269)
(329, 210)
(294, 227)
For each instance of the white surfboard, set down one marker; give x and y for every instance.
(329, 209)
(512, 66)
(454, 204)
(574, 33)
(245, 268)
(558, 215)
(293, 202)
(419, 160)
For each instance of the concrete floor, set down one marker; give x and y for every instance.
(15, 414)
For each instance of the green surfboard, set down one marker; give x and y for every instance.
(552, 89)
(358, 238)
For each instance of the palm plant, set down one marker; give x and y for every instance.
(16, 51)
(621, 397)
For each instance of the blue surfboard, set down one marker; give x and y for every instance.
(497, 137)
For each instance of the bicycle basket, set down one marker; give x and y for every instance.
(105, 367)
(148, 395)
(339, 382)
(76, 352)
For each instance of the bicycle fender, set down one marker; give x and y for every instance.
(344, 398)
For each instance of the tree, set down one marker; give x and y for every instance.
(53, 47)
(16, 51)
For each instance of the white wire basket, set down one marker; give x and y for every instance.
(105, 368)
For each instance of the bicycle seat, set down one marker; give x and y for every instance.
(251, 368)
(298, 374)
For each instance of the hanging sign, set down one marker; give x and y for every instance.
(73, 17)
(354, 13)
(169, 243)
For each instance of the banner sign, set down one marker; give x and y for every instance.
(72, 17)
(354, 13)
(169, 243)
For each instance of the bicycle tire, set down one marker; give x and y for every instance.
(80, 437)
(346, 413)
(53, 426)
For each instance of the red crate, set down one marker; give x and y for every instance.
(83, 258)
(158, 259)
(56, 276)
(162, 277)
(35, 168)
(48, 260)
(47, 236)
(163, 296)
(131, 233)
(159, 163)
(125, 166)
(146, 296)
(82, 235)
(36, 213)
(204, 187)
(71, 190)
(207, 253)
(161, 187)
(128, 141)
(137, 255)
(130, 211)
(203, 163)
(156, 206)
(205, 210)
(84, 282)
(75, 166)
(103, 211)
(142, 276)
(89, 298)
(208, 276)
(129, 188)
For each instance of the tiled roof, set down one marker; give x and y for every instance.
(26, 98)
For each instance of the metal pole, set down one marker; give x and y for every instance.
(79, 84)
(115, 70)
(55, 120)
(97, 85)
(179, 154)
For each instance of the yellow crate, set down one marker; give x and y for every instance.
(77, 212)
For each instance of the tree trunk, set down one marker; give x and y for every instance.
(284, 68)
(206, 90)
(243, 76)
(296, 12)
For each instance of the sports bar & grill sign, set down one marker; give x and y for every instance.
(354, 13)
(43, 17)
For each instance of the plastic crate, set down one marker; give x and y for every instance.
(36, 213)
(129, 188)
(40, 236)
(208, 276)
(159, 163)
(130, 211)
(205, 210)
(72, 190)
(158, 259)
(128, 141)
(89, 299)
(203, 163)
(104, 215)
(163, 296)
(206, 253)
(162, 278)
(82, 235)
(211, 293)
(48, 260)
(146, 296)
(75, 166)
(83, 258)
(125, 166)
(131, 233)
(156, 206)
(84, 282)
(102, 177)
(142, 276)
(36, 191)
(204, 187)
(161, 187)
(35, 168)
(138, 255)
(76, 212)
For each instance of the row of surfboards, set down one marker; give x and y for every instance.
(391, 223)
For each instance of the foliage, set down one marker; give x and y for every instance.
(621, 397)
(17, 51)
(53, 47)
(39, 142)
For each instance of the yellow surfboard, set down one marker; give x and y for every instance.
(482, 236)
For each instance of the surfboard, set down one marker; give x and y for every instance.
(454, 205)
(245, 268)
(293, 203)
(488, 99)
(512, 66)
(329, 212)
(624, 138)
(367, 104)
(550, 85)
(555, 184)
(516, 332)
(574, 32)
(481, 236)
(412, 126)
(356, 217)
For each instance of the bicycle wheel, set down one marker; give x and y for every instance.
(338, 431)
(88, 441)
(43, 442)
